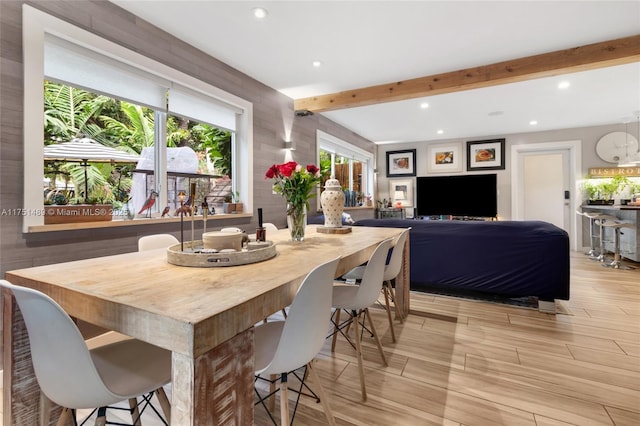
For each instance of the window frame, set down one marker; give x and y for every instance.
(35, 25)
(339, 147)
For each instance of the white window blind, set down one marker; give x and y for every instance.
(350, 152)
(69, 63)
(200, 107)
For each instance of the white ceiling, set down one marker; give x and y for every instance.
(364, 43)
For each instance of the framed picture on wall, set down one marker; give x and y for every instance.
(401, 163)
(485, 155)
(401, 191)
(443, 158)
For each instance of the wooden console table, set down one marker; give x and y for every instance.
(391, 212)
(205, 316)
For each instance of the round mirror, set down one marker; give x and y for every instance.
(616, 146)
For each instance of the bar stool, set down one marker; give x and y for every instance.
(592, 253)
(617, 226)
(600, 221)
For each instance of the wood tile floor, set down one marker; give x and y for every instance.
(463, 362)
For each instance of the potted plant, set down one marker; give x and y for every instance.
(232, 203)
(591, 191)
(622, 183)
(239, 205)
(634, 188)
(98, 209)
(604, 192)
(228, 206)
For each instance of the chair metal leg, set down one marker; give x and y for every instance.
(323, 397)
(592, 253)
(601, 257)
(616, 262)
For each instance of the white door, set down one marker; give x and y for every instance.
(545, 181)
(543, 184)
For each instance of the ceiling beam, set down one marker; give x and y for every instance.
(598, 55)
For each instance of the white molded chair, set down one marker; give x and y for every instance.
(391, 270)
(269, 227)
(355, 300)
(231, 229)
(151, 242)
(75, 377)
(284, 346)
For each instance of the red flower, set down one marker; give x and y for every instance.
(312, 168)
(272, 172)
(295, 183)
(287, 169)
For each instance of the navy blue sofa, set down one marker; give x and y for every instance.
(507, 258)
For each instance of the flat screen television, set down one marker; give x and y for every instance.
(464, 195)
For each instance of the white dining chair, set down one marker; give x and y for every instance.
(269, 227)
(391, 271)
(231, 229)
(156, 241)
(74, 377)
(355, 301)
(281, 347)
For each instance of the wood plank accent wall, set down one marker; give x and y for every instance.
(271, 110)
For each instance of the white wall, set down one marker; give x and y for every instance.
(588, 136)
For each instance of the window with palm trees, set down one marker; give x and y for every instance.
(71, 113)
(83, 86)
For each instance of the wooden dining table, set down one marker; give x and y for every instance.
(204, 316)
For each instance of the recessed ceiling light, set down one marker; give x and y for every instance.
(564, 85)
(316, 64)
(533, 122)
(440, 131)
(424, 105)
(260, 12)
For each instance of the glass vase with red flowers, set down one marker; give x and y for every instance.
(296, 184)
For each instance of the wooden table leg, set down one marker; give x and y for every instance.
(216, 388)
(23, 402)
(403, 281)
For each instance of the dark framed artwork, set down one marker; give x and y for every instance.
(485, 155)
(401, 163)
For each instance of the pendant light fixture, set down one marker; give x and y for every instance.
(635, 158)
(632, 150)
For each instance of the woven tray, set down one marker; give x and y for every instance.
(202, 259)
